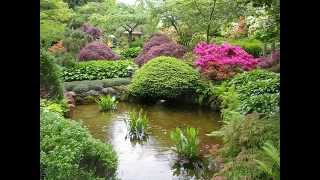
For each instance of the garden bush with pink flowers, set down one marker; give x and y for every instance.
(97, 51)
(223, 59)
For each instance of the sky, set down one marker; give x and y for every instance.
(127, 1)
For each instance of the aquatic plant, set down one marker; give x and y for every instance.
(107, 103)
(187, 142)
(137, 125)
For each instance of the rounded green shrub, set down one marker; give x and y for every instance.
(164, 78)
(68, 151)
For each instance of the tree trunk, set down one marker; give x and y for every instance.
(129, 37)
(208, 34)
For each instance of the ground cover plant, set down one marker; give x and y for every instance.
(93, 70)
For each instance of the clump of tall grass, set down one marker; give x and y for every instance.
(187, 142)
(137, 125)
(107, 103)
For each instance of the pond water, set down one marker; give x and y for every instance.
(155, 158)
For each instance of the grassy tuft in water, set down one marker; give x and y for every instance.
(187, 142)
(107, 103)
(137, 125)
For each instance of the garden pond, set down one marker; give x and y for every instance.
(154, 158)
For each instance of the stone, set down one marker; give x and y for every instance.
(109, 90)
(92, 93)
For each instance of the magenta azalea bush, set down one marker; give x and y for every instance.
(223, 55)
(94, 32)
(159, 45)
(97, 51)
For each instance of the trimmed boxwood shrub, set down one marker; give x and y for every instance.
(164, 78)
(92, 70)
(68, 151)
(97, 51)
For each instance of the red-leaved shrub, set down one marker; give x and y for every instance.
(270, 60)
(97, 51)
(159, 45)
(94, 32)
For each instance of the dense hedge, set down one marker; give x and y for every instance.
(92, 70)
(164, 78)
(82, 86)
(68, 151)
(251, 46)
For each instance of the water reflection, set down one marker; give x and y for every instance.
(153, 158)
(193, 169)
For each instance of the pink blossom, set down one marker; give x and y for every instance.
(225, 54)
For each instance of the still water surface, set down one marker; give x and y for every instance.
(153, 159)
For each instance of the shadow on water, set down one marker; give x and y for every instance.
(153, 158)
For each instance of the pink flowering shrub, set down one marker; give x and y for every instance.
(159, 45)
(227, 59)
(97, 51)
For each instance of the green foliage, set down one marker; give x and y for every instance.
(50, 32)
(130, 52)
(55, 10)
(137, 43)
(251, 46)
(137, 125)
(187, 142)
(243, 137)
(164, 78)
(271, 163)
(75, 40)
(49, 76)
(253, 91)
(107, 103)
(59, 107)
(65, 59)
(92, 70)
(68, 151)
